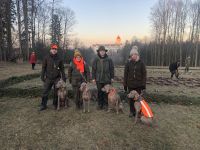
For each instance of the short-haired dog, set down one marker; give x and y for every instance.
(62, 94)
(141, 107)
(114, 100)
(86, 96)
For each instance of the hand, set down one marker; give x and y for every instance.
(93, 81)
(112, 80)
(143, 92)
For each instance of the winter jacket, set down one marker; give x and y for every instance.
(32, 59)
(103, 69)
(135, 75)
(174, 66)
(52, 68)
(75, 77)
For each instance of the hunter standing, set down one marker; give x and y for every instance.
(102, 74)
(135, 75)
(52, 71)
(78, 73)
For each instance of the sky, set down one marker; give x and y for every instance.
(101, 21)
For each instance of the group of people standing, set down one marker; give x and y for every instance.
(102, 74)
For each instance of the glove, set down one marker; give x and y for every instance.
(125, 88)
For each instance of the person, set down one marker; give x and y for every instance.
(32, 60)
(187, 64)
(173, 68)
(78, 73)
(135, 75)
(102, 74)
(52, 71)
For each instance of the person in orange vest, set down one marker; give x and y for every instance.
(142, 108)
(32, 60)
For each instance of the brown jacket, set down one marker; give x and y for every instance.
(135, 75)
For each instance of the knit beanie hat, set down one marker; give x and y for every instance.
(134, 50)
(77, 53)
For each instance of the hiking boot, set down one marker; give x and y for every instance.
(42, 108)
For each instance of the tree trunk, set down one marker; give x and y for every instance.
(19, 25)
(25, 11)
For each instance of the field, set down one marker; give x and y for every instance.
(177, 124)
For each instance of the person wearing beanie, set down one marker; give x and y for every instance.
(102, 74)
(78, 73)
(134, 76)
(52, 71)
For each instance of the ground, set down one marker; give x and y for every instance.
(23, 127)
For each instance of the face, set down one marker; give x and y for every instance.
(133, 94)
(102, 53)
(134, 57)
(53, 51)
(78, 58)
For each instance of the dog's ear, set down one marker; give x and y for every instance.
(136, 97)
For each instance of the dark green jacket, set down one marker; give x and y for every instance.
(52, 68)
(75, 77)
(135, 75)
(103, 69)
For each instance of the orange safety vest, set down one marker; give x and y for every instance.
(145, 109)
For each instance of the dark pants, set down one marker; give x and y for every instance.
(33, 66)
(102, 96)
(47, 88)
(77, 96)
(131, 101)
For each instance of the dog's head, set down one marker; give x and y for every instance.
(133, 94)
(107, 88)
(83, 87)
(60, 84)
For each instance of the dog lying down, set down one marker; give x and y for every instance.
(114, 100)
(141, 107)
(62, 94)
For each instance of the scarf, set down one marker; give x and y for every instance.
(79, 65)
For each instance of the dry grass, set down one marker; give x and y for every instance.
(23, 127)
(8, 70)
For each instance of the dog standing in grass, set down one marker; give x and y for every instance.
(141, 108)
(114, 100)
(62, 94)
(86, 96)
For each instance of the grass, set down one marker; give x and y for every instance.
(23, 127)
(176, 111)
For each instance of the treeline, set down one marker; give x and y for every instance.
(27, 23)
(175, 32)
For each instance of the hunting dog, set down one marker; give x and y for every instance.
(62, 94)
(86, 96)
(114, 100)
(142, 108)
